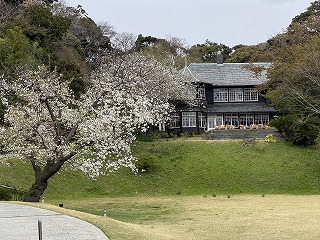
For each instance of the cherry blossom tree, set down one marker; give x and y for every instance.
(48, 127)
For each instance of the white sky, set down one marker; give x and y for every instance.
(230, 22)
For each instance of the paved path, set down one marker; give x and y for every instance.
(19, 222)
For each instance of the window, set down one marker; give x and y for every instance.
(214, 120)
(261, 118)
(231, 119)
(235, 95)
(189, 119)
(246, 119)
(202, 122)
(201, 92)
(220, 94)
(162, 127)
(175, 120)
(250, 95)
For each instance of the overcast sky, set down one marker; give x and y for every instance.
(230, 22)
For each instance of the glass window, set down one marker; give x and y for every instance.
(214, 120)
(246, 119)
(231, 119)
(189, 119)
(202, 121)
(175, 120)
(261, 118)
(235, 95)
(201, 92)
(220, 94)
(250, 94)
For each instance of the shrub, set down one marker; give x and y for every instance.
(145, 163)
(299, 130)
(160, 135)
(270, 138)
(8, 193)
(184, 135)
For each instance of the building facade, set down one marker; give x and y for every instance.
(227, 98)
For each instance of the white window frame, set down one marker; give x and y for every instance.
(202, 120)
(220, 94)
(189, 119)
(261, 118)
(201, 92)
(246, 119)
(214, 120)
(233, 117)
(250, 95)
(235, 94)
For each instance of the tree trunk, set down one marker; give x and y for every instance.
(43, 175)
(36, 191)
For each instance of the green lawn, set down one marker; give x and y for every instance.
(189, 168)
(189, 182)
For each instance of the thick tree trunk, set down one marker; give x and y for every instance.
(43, 175)
(36, 191)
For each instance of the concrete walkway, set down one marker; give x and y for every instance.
(19, 222)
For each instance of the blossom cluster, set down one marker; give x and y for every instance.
(46, 124)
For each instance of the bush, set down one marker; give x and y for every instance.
(297, 129)
(270, 138)
(145, 163)
(8, 193)
(184, 135)
(160, 135)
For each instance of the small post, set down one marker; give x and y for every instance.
(105, 214)
(42, 201)
(40, 229)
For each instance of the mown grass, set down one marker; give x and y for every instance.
(189, 187)
(204, 168)
(246, 217)
(189, 168)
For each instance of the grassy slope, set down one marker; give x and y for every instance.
(191, 168)
(157, 204)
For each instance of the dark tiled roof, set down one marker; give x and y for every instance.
(226, 74)
(251, 107)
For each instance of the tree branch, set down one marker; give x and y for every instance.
(57, 124)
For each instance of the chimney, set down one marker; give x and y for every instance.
(219, 57)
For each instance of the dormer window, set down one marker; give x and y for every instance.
(201, 92)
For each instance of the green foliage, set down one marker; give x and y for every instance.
(8, 193)
(160, 135)
(207, 52)
(44, 27)
(305, 131)
(191, 168)
(297, 130)
(145, 163)
(247, 54)
(294, 76)
(15, 51)
(270, 138)
(312, 10)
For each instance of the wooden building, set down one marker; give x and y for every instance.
(227, 98)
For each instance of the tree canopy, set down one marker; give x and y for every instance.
(294, 85)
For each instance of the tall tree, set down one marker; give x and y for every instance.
(294, 86)
(207, 52)
(48, 127)
(312, 10)
(246, 54)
